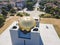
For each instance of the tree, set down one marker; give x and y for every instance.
(2, 20)
(4, 12)
(9, 7)
(42, 3)
(55, 2)
(30, 4)
(12, 10)
(48, 9)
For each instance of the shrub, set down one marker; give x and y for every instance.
(20, 14)
(45, 15)
(26, 14)
(12, 14)
(12, 10)
(41, 15)
(57, 16)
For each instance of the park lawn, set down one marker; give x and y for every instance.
(55, 22)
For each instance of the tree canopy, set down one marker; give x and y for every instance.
(2, 20)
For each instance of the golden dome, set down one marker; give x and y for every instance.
(26, 23)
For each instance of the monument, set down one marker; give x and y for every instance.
(27, 33)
